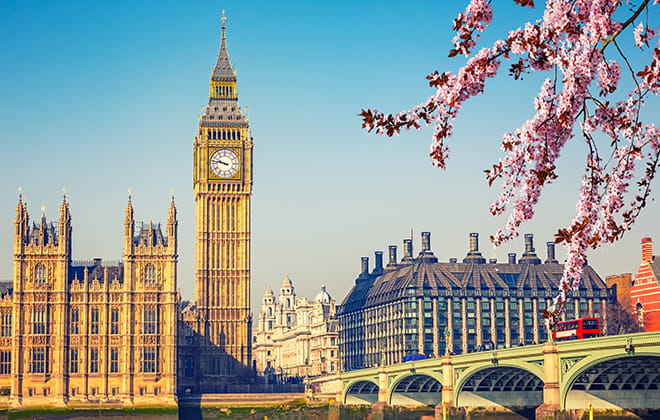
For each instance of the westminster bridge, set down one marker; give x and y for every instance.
(612, 372)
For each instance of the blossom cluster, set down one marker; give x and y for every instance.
(571, 40)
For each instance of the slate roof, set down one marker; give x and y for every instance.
(96, 271)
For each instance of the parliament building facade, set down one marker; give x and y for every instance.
(113, 334)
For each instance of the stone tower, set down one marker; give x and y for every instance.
(222, 182)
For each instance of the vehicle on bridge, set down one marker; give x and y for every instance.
(412, 357)
(576, 329)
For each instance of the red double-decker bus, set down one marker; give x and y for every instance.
(576, 329)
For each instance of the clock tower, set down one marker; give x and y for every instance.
(222, 182)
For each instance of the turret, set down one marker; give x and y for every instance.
(129, 227)
(21, 226)
(172, 226)
(64, 228)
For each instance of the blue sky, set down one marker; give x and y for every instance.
(100, 97)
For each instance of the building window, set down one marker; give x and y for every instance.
(114, 360)
(115, 391)
(188, 367)
(39, 360)
(73, 365)
(38, 322)
(150, 321)
(40, 273)
(93, 360)
(114, 321)
(150, 274)
(149, 360)
(6, 324)
(5, 362)
(94, 321)
(75, 321)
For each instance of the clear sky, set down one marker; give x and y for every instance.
(100, 97)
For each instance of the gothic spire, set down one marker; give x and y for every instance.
(223, 68)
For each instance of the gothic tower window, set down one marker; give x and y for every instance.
(94, 360)
(5, 362)
(150, 274)
(73, 363)
(114, 321)
(114, 360)
(39, 360)
(149, 360)
(40, 273)
(150, 321)
(5, 329)
(94, 321)
(75, 321)
(38, 324)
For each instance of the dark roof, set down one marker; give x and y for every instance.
(426, 278)
(6, 288)
(96, 271)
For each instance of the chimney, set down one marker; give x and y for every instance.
(392, 262)
(453, 260)
(493, 260)
(529, 256)
(426, 241)
(474, 242)
(365, 265)
(474, 256)
(551, 253)
(407, 251)
(647, 249)
(378, 269)
(512, 257)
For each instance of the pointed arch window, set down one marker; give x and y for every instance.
(150, 274)
(40, 273)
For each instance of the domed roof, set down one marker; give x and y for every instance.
(269, 292)
(286, 283)
(323, 296)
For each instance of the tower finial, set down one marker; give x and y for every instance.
(223, 19)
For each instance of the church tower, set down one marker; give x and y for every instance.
(222, 182)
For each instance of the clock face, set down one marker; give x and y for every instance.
(224, 163)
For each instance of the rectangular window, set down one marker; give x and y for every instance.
(6, 324)
(38, 323)
(94, 321)
(73, 363)
(5, 362)
(93, 360)
(114, 321)
(39, 360)
(114, 360)
(150, 321)
(75, 321)
(149, 360)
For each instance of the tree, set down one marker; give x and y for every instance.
(621, 320)
(581, 94)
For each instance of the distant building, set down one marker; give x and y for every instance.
(621, 285)
(295, 337)
(645, 292)
(420, 305)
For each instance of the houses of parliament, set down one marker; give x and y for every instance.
(116, 333)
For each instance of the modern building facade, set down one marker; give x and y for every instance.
(295, 337)
(87, 332)
(423, 306)
(216, 355)
(645, 292)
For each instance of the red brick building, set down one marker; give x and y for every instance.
(645, 292)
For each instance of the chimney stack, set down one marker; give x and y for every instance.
(392, 262)
(493, 260)
(426, 241)
(473, 255)
(529, 243)
(512, 257)
(407, 251)
(529, 256)
(551, 253)
(378, 269)
(453, 260)
(365, 265)
(647, 249)
(474, 242)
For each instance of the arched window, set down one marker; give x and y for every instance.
(150, 274)
(40, 273)
(270, 311)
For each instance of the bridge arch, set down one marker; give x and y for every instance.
(513, 386)
(360, 392)
(613, 382)
(416, 389)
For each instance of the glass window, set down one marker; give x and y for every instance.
(150, 321)
(39, 360)
(75, 321)
(6, 324)
(73, 365)
(149, 360)
(114, 360)
(150, 274)
(38, 323)
(94, 360)
(5, 362)
(40, 273)
(94, 321)
(114, 321)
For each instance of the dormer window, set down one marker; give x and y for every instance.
(40, 273)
